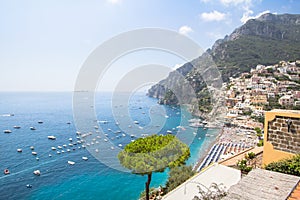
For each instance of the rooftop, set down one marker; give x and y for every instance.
(263, 184)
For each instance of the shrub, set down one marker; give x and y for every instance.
(286, 166)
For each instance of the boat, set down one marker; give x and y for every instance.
(19, 150)
(96, 127)
(37, 158)
(68, 122)
(37, 172)
(51, 137)
(7, 131)
(58, 152)
(60, 147)
(65, 145)
(71, 162)
(32, 147)
(112, 148)
(120, 145)
(40, 122)
(29, 186)
(32, 128)
(136, 122)
(168, 131)
(6, 171)
(68, 150)
(53, 148)
(84, 158)
(34, 153)
(96, 150)
(17, 127)
(124, 135)
(70, 139)
(62, 151)
(50, 155)
(105, 140)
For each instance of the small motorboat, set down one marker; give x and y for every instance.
(7, 131)
(29, 186)
(53, 148)
(51, 137)
(60, 147)
(58, 152)
(37, 172)
(32, 147)
(40, 122)
(37, 158)
(50, 155)
(32, 128)
(34, 153)
(120, 145)
(136, 122)
(6, 171)
(71, 163)
(84, 158)
(70, 139)
(68, 122)
(17, 127)
(19, 150)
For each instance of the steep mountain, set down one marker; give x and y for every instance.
(265, 40)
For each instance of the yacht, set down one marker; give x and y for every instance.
(71, 163)
(51, 137)
(37, 172)
(7, 131)
(84, 158)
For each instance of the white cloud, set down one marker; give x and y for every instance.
(185, 30)
(114, 1)
(213, 16)
(248, 13)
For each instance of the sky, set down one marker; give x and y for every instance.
(43, 44)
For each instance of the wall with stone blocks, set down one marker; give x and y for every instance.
(283, 137)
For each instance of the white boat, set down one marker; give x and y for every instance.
(68, 150)
(84, 158)
(32, 128)
(50, 155)
(65, 145)
(70, 139)
(136, 122)
(51, 137)
(70, 144)
(19, 150)
(103, 122)
(124, 135)
(112, 148)
(71, 163)
(58, 152)
(62, 151)
(7, 131)
(96, 127)
(60, 147)
(105, 140)
(32, 147)
(17, 127)
(34, 153)
(168, 131)
(37, 172)
(96, 150)
(53, 148)
(37, 158)
(120, 145)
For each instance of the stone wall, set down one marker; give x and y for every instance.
(283, 137)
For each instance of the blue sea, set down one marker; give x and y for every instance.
(89, 179)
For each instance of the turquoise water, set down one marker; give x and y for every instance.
(86, 179)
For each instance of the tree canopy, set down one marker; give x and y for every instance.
(154, 154)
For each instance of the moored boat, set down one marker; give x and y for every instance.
(6, 171)
(51, 137)
(7, 131)
(71, 162)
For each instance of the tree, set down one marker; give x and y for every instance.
(153, 154)
(286, 166)
(178, 175)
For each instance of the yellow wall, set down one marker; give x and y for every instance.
(270, 154)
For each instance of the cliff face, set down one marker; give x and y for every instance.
(266, 40)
